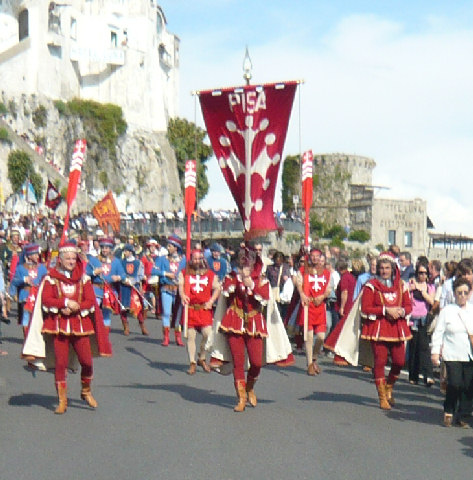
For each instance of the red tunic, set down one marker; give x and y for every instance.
(317, 313)
(200, 291)
(244, 314)
(57, 288)
(376, 297)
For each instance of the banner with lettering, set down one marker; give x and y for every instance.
(247, 128)
(106, 213)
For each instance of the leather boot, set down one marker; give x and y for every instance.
(202, 363)
(86, 395)
(62, 395)
(178, 338)
(250, 383)
(144, 330)
(311, 370)
(165, 341)
(240, 388)
(389, 394)
(383, 401)
(192, 369)
(126, 328)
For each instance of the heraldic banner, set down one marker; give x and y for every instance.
(106, 212)
(247, 128)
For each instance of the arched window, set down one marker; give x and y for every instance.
(23, 30)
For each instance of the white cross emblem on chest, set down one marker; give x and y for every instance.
(68, 289)
(196, 283)
(32, 274)
(317, 281)
(390, 297)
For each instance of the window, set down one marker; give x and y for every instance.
(73, 28)
(408, 239)
(392, 237)
(113, 38)
(23, 30)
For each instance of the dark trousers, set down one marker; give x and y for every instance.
(459, 388)
(419, 355)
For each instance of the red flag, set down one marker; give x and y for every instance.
(106, 213)
(30, 301)
(110, 300)
(190, 183)
(74, 180)
(247, 128)
(53, 197)
(135, 303)
(307, 189)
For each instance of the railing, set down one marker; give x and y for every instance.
(207, 227)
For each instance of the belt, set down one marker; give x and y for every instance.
(97, 284)
(245, 315)
(169, 288)
(197, 306)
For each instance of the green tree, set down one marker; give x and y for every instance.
(187, 140)
(20, 167)
(291, 181)
(359, 236)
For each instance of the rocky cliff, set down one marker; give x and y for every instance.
(140, 167)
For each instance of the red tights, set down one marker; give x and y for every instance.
(254, 346)
(81, 345)
(398, 355)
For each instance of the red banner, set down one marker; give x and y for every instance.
(247, 129)
(307, 189)
(53, 197)
(190, 184)
(106, 213)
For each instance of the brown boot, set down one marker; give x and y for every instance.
(389, 394)
(165, 341)
(240, 388)
(144, 330)
(383, 401)
(62, 395)
(252, 400)
(311, 370)
(126, 328)
(192, 369)
(202, 363)
(86, 395)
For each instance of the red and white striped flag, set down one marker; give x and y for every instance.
(307, 189)
(190, 184)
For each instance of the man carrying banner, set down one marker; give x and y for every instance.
(167, 268)
(151, 284)
(105, 272)
(312, 282)
(25, 283)
(130, 290)
(203, 292)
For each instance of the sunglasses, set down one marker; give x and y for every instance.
(422, 272)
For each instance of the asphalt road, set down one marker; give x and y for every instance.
(155, 422)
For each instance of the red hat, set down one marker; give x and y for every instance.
(68, 247)
(152, 241)
(106, 242)
(387, 256)
(176, 241)
(31, 249)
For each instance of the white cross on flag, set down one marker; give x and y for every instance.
(247, 128)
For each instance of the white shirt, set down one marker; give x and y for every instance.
(451, 336)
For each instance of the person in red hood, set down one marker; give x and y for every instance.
(68, 302)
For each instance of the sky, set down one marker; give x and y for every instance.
(392, 81)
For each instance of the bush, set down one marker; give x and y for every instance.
(359, 236)
(336, 231)
(337, 242)
(3, 109)
(4, 137)
(20, 167)
(103, 177)
(61, 107)
(40, 116)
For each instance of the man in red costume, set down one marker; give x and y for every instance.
(202, 287)
(68, 302)
(384, 306)
(313, 284)
(244, 323)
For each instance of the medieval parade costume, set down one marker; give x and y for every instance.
(106, 271)
(198, 288)
(168, 268)
(65, 315)
(151, 282)
(131, 297)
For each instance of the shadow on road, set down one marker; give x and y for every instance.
(49, 402)
(166, 367)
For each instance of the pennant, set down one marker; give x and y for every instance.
(27, 192)
(247, 128)
(190, 184)
(75, 171)
(53, 197)
(110, 301)
(106, 213)
(135, 303)
(307, 189)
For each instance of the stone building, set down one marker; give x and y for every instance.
(111, 51)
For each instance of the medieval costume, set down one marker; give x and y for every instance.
(65, 315)
(198, 288)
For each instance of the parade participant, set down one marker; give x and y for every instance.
(452, 340)
(385, 303)
(68, 303)
(203, 289)
(130, 289)
(244, 323)
(318, 278)
(15, 249)
(28, 276)
(106, 271)
(216, 263)
(151, 283)
(167, 268)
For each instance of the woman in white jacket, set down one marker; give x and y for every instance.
(451, 340)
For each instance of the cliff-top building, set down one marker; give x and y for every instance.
(111, 51)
